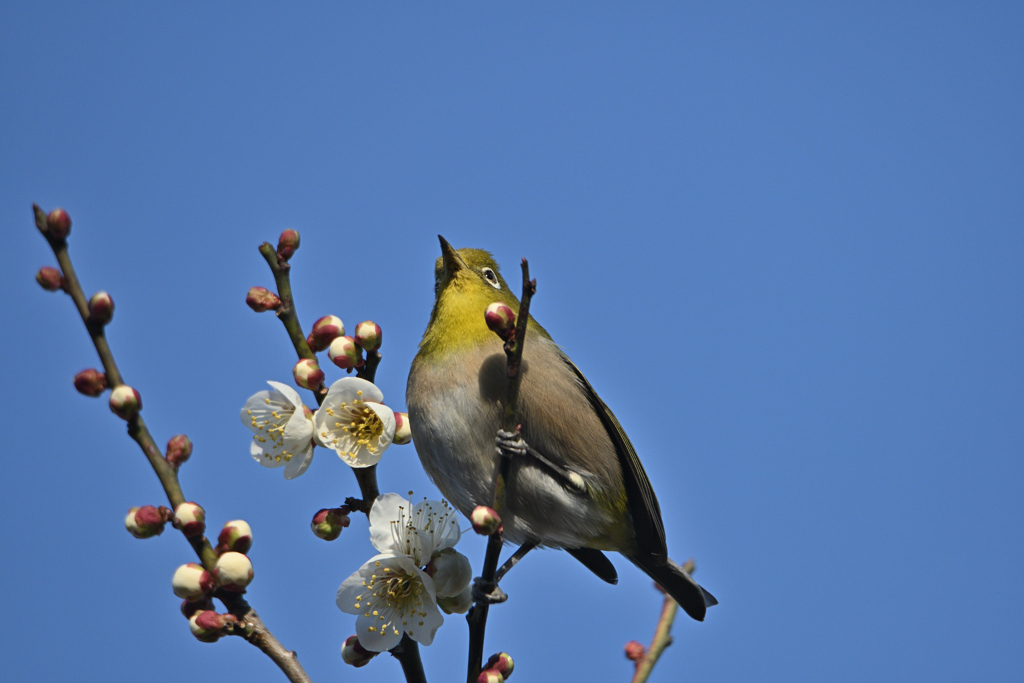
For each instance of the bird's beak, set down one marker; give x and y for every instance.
(450, 258)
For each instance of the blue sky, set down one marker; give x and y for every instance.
(783, 242)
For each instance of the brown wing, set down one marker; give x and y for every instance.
(642, 503)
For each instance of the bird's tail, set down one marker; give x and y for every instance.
(677, 583)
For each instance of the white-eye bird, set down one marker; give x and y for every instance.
(580, 486)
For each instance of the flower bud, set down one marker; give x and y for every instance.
(125, 402)
(200, 630)
(368, 335)
(49, 279)
(457, 604)
(325, 330)
(352, 652)
(500, 319)
(635, 651)
(192, 582)
(485, 520)
(190, 608)
(211, 622)
(236, 536)
(308, 374)
(262, 299)
(451, 572)
(344, 353)
(190, 518)
(287, 244)
(179, 449)
(502, 663)
(58, 224)
(146, 521)
(403, 433)
(91, 382)
(490, 676)
(328, 523)
(101, 308)
(233, 572)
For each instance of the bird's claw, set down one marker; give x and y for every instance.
(487, 591)
(510, 444)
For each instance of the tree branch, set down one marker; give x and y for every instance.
(477, 616)
(662, 633)
(259, 635)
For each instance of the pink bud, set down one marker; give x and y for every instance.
(344, 353)
(500, 319)
(502, 663)
(403, 433)
(287, 243)
(236, 536)
(233, 572)
(125, 402)
(146, 521)
(190, 608)
(179, 449)
(262, 299)
(325, 330)
(91, 382)
(308, 374)
(192, 582)
(368, 335)
(635, 651)
(353, 653)
(490, 676)
(101, 308)
(203, 634)
(485, 520)
(58, 224)
(328, 522)
(49, 279)
(190, 518)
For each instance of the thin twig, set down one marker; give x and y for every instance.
(477, 616)
(257, 633)
(662, 633)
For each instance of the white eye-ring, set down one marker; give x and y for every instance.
(491, 278)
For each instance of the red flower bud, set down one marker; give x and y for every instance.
(91, 382)
(190, 518)
(490, 676)
(189, 608)
(50, 279)
(502, 663)
(635, 651)
(308, 374)
(146, 521)
(485, 520)
(179, 449)
(368, 335)
(353, 653)
(101, 308)
(328, 522)
(325, 330)
(236, 536)
(344, 353)
(501, 320)
(403, 432)
(262, 299)
(233, 572)
(192, 582)
(125, 402)
(58, 224)
(287, 244)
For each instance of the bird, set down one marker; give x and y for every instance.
(577, 483)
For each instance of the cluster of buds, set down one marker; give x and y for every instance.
(287, 244)
(147, 521)
(190, 518)
(179, 449)
(101, 308)
(501, 320)
(261, 299)
(50, 279)
(353, 653)
(192, 583)
(485, 520)
(497, 670)
(325, 330)
(125, 402)
(307, 374)
(91, 382)
(328, 522)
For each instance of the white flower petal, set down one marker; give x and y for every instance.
(300, 462)
(348, 388)
(387, 508)
(453, 573)
(289, 393)
(260, 456)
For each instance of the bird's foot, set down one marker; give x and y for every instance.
(510, 444)
(487, 591)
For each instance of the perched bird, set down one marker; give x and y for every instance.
(579, 486)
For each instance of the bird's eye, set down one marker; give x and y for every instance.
(491, 278)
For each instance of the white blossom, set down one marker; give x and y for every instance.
(283, 430)
(354, 422)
